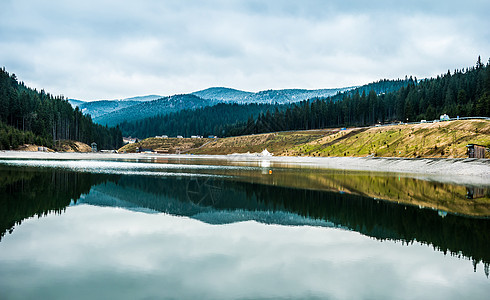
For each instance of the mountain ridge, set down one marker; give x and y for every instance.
(112, 112)
(270, 96)
(152, 108)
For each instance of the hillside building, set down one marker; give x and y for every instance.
(476, 151)
(444, 117)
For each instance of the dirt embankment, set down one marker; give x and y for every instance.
(442, 139)
(165, 145)
(60, 146)
(281, 143)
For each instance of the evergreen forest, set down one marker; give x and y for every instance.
(463, 93)
(222, 119)
(210, 120)
(28, 116)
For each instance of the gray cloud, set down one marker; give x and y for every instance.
(110, 49)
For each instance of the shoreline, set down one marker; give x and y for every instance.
(455, 170)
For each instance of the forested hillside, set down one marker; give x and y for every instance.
(98, 108)
(462, 93)
(223, 94)
(215, 120)
(229, 119)
(284, 96)
(148, 109)
(36, 117)
(113, 112)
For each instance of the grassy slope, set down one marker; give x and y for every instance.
(277, 143)
(442, 139)
(170, 145)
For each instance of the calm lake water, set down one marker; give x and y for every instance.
(197, 229)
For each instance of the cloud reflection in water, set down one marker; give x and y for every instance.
(94, 252)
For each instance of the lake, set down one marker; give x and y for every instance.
(186, 228)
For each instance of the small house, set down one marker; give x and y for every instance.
(94, 147)
(108, 151)
(476, 151)
(129, 140)
(474, 192)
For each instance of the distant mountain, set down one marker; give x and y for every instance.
(222, 94)
(143, 98)
(101, 107)
(74, 102)
(113, 112)
(268, 96)
(147, 109)
(97, 108)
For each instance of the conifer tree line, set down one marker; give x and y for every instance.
(210, 120)
(461, 93)
(29, 116)
(225, 118)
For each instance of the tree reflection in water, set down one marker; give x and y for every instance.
(28, 192)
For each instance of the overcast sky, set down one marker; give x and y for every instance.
(97, 49)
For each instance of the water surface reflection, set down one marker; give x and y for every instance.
(110, 253)
(28, 191)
